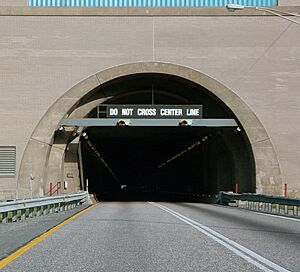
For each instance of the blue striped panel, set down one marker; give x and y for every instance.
(148, 3)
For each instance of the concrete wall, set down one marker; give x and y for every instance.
(255, 56)
(288, 2)
(13, 3)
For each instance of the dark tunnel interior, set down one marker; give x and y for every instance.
(165, 163)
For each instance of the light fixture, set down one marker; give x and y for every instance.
(237, 130)
(84, 135)
(276, 12)
(205, 138)
(234, 7)
(123, 122)
(186, 122)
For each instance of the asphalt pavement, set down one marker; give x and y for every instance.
(18, 234)
(141, 236)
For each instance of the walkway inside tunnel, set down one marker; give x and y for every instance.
(182, 163)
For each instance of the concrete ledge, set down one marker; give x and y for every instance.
(135, 11)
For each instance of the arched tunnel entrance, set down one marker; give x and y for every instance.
(183, 163)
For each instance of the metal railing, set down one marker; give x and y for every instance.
(12, 211)
(263, 203)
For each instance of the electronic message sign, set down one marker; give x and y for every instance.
(151, 111)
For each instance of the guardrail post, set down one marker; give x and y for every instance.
(295, 209)
(38, 211)
(14, 216)
(45, 209)
(4, 217)
(23, 214)
(30, 212)
(51, 208)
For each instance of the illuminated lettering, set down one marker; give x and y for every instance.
(192, 112)
(113, 111)
(127, 112)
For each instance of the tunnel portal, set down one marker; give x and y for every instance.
(183, 163)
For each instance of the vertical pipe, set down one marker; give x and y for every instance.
(236, 187)
(87, 185)
(30, 187)
(58, 185)
(285, 189)
(51, 188)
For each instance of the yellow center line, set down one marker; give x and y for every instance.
(40, 238)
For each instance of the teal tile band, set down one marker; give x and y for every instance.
(148, 3)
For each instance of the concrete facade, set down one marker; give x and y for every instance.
(288, 3)
(44, 56)
(13, 3)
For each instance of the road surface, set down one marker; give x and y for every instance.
(147, 236)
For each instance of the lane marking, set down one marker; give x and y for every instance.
(278, 216)
(245, 253)
(40, 238)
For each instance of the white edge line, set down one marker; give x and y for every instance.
(278, 216)
(225, 242)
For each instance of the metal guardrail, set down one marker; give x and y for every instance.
(26, 208)
(263, 203)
